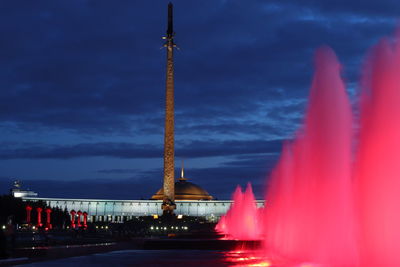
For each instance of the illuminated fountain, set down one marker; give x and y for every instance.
(309, 214)
(377, 169)
(241, 220)
(333, 199)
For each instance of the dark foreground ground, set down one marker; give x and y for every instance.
(159, 245)
(31, 243)
(156, 235)
(150, 258)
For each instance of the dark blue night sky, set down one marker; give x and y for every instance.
(82, 88)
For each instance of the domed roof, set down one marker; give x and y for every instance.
(185, 190)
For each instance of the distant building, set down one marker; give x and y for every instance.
(105, 210)
(190, 200)
(185, 190)
(17, 191)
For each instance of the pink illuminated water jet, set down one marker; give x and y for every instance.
(241, 220)
(334, 199)
(377, 177)
(309, 215)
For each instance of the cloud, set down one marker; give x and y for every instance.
(194, 149)
(385, 8)
(220, 181)
(94, 189)
(91, 71)
(117, 171)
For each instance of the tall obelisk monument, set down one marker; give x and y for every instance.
(168, 205)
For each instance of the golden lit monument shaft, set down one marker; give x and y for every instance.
(169, 168)
(182, 189)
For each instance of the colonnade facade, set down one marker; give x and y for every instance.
(102, 210)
